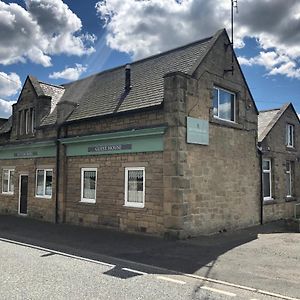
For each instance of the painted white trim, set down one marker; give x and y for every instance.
(9, 171)
(290, 133)
(134, 204)
(44, 196)
(20, 181)
(87, 200)
(234, 100)
(269, 198)
(289, 173)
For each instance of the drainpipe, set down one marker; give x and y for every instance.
(260, 152)
(57, 171)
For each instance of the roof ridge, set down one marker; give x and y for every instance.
(145, 59)
(268, 110)
(54, 85)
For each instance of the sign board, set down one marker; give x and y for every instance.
(105, 148)
(25, 154)
(197, 131)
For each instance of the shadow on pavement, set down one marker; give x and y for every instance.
(114, 247)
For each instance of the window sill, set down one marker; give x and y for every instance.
(43, 197)
(88, 201)
(290, 148)
(8, 193)
(227, 123)
(131, 205)
(268, 201)
(290, 199)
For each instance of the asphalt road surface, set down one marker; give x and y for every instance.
(29, 272)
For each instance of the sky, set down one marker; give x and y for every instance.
(58, 41)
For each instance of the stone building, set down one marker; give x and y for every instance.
(166, 145)
(278, 137)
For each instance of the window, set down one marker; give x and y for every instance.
(20, 122)
(32, 120)
(27, 122)
(224, 104)
(8, 181)
(290, 135)
(135, 187)
(289, 182)
(88, 185)
(43, 183)
(267, 179)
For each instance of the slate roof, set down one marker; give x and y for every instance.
(56, 93)
(267, 119)
(99, 94)
(6, 127)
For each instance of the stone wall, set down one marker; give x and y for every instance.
(39, 208)
(109, 209)
(274, 148)
(215, 187)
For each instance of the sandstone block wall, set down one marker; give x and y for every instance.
(274, 148)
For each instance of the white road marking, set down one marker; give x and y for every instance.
(58, 252)
(135, 271)
(218, 291)
(246, 288)
(171, 279)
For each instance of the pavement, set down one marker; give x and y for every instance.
(262, 257)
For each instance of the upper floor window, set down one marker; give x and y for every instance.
(290, 135)
(26, 121)
(224, 104)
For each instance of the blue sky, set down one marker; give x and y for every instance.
(62, 40)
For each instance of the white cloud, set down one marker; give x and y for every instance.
(5, 108)
(41, 29)
(69, 73)
(10, 84)
(146, 27)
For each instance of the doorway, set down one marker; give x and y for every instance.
(23, 195)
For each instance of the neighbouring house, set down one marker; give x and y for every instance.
(279, 141)
(166, 145)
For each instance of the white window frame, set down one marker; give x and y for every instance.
(8, 192)
(289, 173)
(234, 112)
(44, 185)
(87, 200)
(290, 135)
(134, 204)
(270, 178)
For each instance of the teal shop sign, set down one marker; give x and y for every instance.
(33, 150)
(197, 131)
(130, 141)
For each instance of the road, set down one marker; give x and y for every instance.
(30, 272)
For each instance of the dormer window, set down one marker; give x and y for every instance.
(26, 121)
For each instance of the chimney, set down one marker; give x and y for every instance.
(127, 77)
